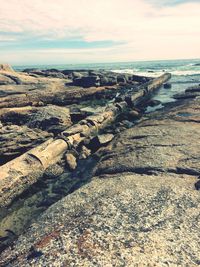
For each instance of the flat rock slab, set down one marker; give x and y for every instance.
(166, 143)
(48, 118)
(126, 219)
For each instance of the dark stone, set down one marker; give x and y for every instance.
(95, 73)
(28, 70)
(167, 85)
(121, 79)
(197, 185)
(186, 95)
(34, 254)
(153, 103)
(76, 114)
(88, 81)
(100, 140)
(193, 89)
(140, 79)
(108, 81)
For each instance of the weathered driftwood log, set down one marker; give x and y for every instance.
(16, 140)
(143, 92)
(20, 173)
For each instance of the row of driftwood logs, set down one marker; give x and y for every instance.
(18, 174)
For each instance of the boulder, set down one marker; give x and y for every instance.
(140, 79)
(153, 103)
(108, 80)
(88, 81)
(167, 85)
(121, 79)
(100, 140)
(134, 114)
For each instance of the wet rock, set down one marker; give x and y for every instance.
(187, 95)
(193, 89)
(134, 114)
(71, 161)
(121, 79)
(167, 85)
(197, 185)
(153, 103)
(127, 124)
(78, 114)
(140, 79)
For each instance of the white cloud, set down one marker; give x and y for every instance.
(149, 32)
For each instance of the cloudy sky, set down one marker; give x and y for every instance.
(84, 31)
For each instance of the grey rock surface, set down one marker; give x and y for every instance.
(140, 209)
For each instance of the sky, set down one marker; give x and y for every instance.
(95, 31)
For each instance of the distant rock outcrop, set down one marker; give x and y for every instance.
(6, 67)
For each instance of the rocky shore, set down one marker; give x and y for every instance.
(89, 179)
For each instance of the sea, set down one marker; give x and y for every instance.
(185, 73)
